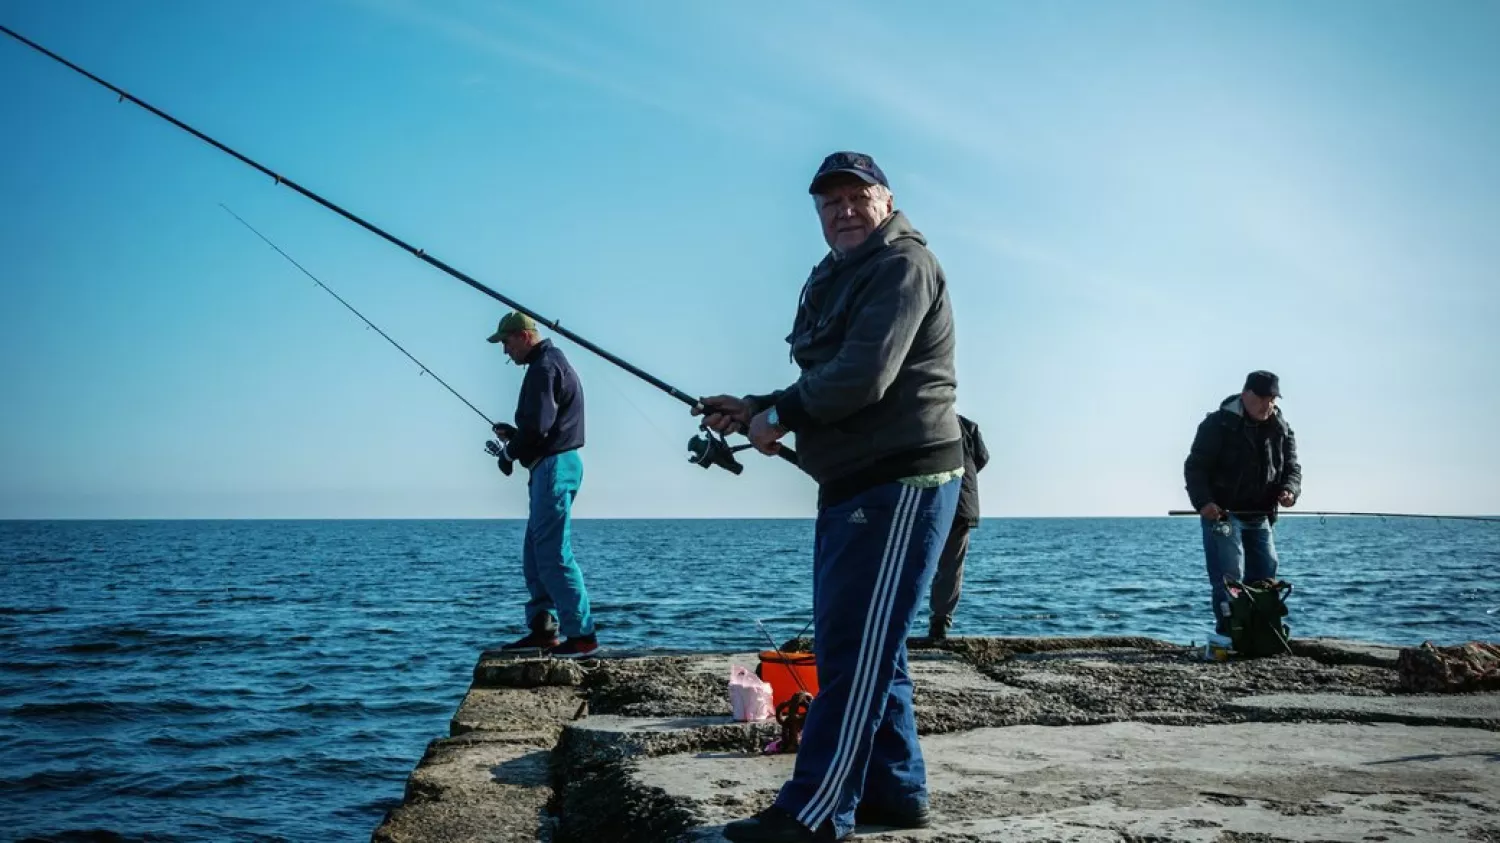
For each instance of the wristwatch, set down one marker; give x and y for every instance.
(773, 418)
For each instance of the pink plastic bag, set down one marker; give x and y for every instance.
(749, 697)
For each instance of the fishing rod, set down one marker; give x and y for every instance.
(706, 450)
(1322, 514)
(329, 290)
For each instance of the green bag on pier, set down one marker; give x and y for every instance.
(1255, 613)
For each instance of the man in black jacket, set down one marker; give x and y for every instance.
(948, 583)
(1242, 466)
(546, 439)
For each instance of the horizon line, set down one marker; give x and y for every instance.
(522, 519)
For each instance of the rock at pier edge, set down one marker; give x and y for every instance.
(1125, 740)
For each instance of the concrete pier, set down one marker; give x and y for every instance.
(1045, 739)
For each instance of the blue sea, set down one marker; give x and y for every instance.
(278, 680)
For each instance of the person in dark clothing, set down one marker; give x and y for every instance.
(948, 582)
(872, 410)
(546, 439)
(1242, 466)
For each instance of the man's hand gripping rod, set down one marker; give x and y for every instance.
(711, 448)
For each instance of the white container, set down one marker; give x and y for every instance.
(1217, 648)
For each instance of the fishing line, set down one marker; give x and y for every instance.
(612, 379)
(1321, 514)
(352, 309)
(707, 450)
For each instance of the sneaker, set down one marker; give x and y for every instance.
(777, 825)
(580, 647)
(910, 815)
(533, 641)
(937, 628)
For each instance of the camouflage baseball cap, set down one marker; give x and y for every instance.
(513, 323)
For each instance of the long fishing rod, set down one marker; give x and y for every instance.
(706, 450)
(1323, 514)
(329, 290)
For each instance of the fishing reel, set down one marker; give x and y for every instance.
(506, 465)
(711, 448)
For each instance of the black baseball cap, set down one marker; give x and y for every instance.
(1263, 383)
(855, 164)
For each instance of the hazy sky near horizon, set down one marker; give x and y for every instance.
(1135, 204)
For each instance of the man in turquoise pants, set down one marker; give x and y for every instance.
(546, 439)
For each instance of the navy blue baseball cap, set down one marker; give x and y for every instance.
(855, 164)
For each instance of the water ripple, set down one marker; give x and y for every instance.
(215, 680)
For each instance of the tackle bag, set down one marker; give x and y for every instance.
(1255, 613)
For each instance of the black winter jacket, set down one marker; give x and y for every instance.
(976, 455)
(1240, 465)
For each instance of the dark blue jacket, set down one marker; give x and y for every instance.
(549, 415)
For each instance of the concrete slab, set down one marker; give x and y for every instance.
(1138, 782)
(615, 724)
(541, 709)
(934, 671)
(671, 686)
(642, 749)
(510, 670)
(1086, 686)
(1477, 710)
(609, 736)
(474, 788)
(1341, 651)
(989, 649)
(951, 695)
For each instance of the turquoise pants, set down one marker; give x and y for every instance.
(553, 578)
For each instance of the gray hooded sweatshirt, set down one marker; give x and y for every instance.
(874, 339)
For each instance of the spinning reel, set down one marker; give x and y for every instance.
(711, 448)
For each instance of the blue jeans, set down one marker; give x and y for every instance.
(553, 578)
(1241, 551)
(873, 557)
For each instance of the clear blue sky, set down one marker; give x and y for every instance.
(1135, 205)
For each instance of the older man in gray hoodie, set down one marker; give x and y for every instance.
(873, 414)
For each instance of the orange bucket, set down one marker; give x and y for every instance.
(782, 672)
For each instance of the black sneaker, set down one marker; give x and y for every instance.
(533, 641)
(909, 815)
(777, 825)
(937, 627)
(580, 647)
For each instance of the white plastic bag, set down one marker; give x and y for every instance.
(749, 697)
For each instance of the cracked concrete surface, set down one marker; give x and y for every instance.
(1119, 739)
(1298, 782)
